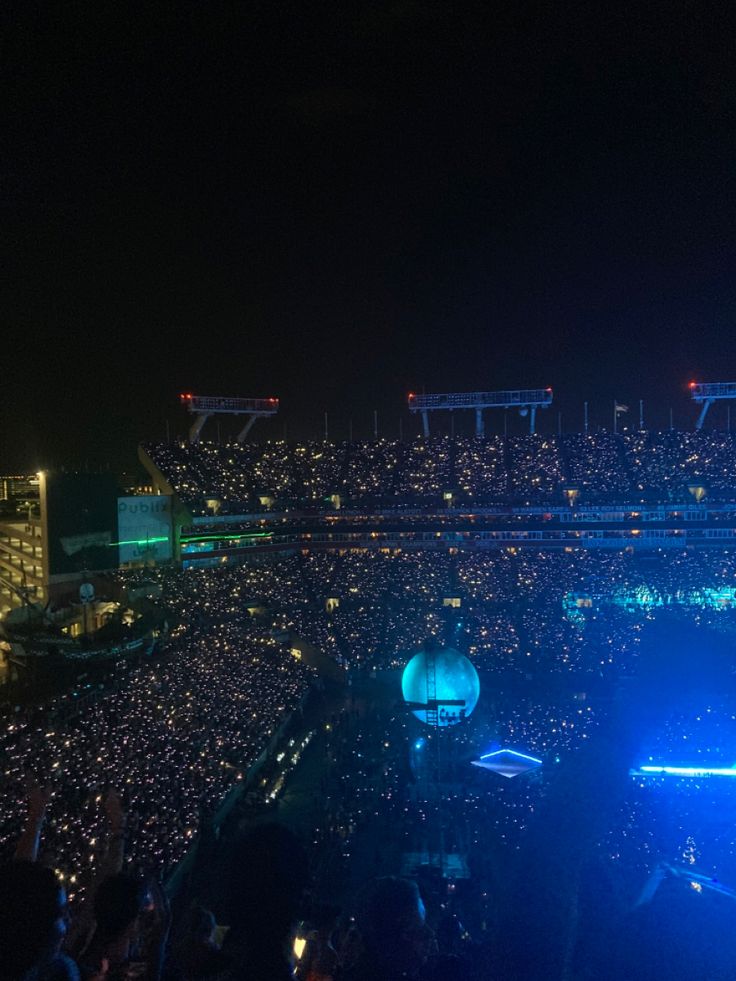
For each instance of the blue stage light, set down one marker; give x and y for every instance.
(507, 762)
(685, 771)
(511, 752)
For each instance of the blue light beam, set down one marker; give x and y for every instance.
(684, 771)
(511, 752)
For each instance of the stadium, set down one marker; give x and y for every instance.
(589, 580)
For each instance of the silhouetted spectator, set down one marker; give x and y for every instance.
(130, 931)
(267, 884)
(320, 960)
(396, 941)
(33, 921)
(197, 955)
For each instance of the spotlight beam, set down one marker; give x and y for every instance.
(683, 771)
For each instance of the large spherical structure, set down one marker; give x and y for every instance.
(455, 678)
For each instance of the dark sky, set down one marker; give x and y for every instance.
(339, 202)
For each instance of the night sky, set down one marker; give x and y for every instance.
(337, 203)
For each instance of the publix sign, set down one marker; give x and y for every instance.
(144, 528)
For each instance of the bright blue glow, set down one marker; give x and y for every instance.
(512, 752)
(418, 744)
(644, 598)
(455, 679)
(688, 771)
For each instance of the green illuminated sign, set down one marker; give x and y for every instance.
(225, 538)
(140, 541)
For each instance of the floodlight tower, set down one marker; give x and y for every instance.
(527, 401)
(204, 406)
(709, 393)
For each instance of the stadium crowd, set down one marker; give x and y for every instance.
(177, 734)
(513, 610)
(276, 930)
(604, 467)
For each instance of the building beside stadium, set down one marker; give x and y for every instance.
(59, 541)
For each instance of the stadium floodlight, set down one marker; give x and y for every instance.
(527, 401)
(657, 770)
(708, 393)
(204, 406)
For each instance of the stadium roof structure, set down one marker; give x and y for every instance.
(706, 393)
(508, 762)
(527, 401)
(204, 406)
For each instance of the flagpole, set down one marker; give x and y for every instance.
(641, 414)
(615, 418)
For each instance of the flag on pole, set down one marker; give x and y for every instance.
(621, 408)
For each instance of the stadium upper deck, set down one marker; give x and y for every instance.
(640, 489)
(608, 469)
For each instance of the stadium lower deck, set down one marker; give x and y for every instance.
(594, 662)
